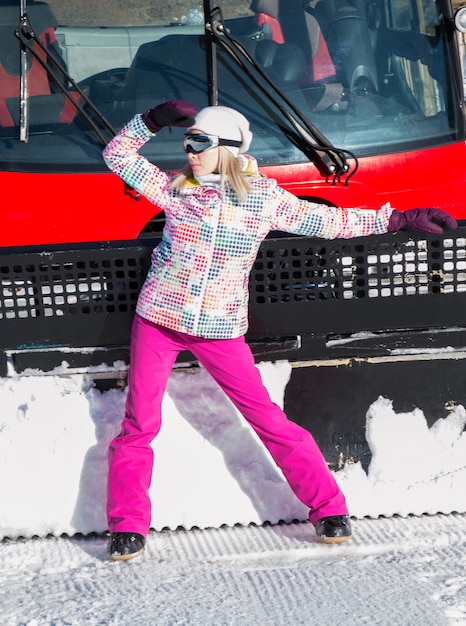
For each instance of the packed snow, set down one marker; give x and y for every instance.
(394, 572)
(231, 545)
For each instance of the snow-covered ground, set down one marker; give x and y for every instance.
(209, 560)
(395, 572)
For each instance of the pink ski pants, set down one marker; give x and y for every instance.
(230, 362)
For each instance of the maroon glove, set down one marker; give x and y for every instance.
(426, 220)
(171, 113)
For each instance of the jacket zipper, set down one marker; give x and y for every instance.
(209, 265)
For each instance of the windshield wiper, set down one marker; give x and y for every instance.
(23, 93)
(57, 73)
(330, 160)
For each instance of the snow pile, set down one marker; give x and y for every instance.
(210, 469)
(414, 469)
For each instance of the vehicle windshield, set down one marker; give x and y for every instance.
(374, 76)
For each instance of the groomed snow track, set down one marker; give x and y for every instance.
(407, 572)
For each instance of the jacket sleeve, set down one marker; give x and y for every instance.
(301, 217)
(121, 156)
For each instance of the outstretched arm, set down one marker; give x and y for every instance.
(317, 220)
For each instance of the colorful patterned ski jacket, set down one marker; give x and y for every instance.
(198, 280)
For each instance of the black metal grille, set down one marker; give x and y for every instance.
(73, 296)
(370, 268)
(63, 285)
(85, 295)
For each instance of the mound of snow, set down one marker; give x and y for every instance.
(210, 468)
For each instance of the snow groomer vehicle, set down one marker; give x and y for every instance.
(351, 102)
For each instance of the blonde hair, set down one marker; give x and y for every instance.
(230, 170)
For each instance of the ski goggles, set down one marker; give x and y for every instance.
(200, 143)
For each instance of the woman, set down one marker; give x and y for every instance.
(218, 211)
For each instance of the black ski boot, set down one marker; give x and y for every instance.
(334, 529)
(125, 546)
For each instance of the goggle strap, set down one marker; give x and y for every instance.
(229, 142)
